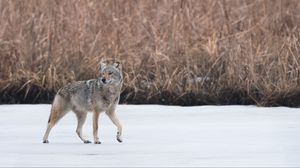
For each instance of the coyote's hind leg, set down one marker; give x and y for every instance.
(55, 116)
(58, 110)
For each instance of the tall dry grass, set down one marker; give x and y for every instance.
(184, 52)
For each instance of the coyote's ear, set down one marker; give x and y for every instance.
(118, 65)
(102, 66)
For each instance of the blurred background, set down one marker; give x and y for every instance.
(174, 52)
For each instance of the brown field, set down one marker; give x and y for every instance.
(184, 52)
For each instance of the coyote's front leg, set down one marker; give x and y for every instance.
(114, 119)
(95, 126)
(81, 117)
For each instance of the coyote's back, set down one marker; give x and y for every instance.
(95, 95)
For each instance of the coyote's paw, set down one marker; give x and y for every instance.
(45, 141)
(119, 139)
(97, 142)
(87, 142)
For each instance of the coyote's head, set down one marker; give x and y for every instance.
(111, 73)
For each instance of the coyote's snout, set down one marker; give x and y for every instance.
(95, 95)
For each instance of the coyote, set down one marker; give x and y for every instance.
(96, 95)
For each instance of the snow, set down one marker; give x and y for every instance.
(155, 136)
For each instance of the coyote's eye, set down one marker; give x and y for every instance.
(110, 73)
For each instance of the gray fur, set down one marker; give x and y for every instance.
(95, 95)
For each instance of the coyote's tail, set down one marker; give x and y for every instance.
(57, 109)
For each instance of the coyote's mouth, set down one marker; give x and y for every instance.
(105, 81)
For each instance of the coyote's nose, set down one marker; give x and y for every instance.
(103, 80)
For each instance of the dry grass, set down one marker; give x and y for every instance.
(183, 52)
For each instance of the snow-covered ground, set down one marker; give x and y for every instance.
(155, 136)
